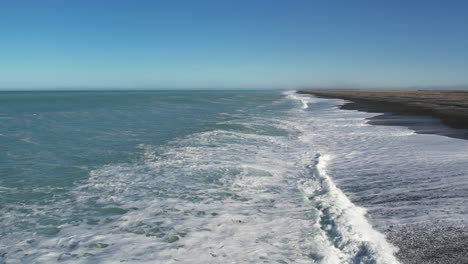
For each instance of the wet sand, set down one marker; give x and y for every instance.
(431, 243)
(426, 112)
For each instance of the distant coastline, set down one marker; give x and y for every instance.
(425, 111)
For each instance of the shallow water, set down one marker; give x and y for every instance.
(214, 177)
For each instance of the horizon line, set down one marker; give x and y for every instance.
(304, 87)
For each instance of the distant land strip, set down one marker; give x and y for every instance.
(451, 107)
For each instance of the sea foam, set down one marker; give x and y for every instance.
(255, 188)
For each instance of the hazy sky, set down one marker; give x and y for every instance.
(232, 44)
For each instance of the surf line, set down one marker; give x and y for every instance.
(342, 223)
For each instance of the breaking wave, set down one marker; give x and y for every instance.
(254, 189)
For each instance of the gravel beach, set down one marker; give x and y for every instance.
(427, 112)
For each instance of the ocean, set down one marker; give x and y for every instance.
(222, 177)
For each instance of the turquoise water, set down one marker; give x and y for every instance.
(53, 139)
(213, 177)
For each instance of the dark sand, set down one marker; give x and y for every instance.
(426, 112)
(431, 243)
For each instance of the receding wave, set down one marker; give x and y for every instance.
(252, 190)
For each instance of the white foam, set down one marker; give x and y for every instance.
(226, 196)
(345, 223)
(304, 99)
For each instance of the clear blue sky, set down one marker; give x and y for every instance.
(232, 44)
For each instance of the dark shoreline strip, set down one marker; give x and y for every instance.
(426, 112)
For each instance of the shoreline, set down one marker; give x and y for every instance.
(442, 113)
(425, 112)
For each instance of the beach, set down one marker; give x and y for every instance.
(433, 239)
(426, 112)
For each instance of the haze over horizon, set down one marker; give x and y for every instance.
(241, 44)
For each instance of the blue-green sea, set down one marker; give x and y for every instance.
(211, 177)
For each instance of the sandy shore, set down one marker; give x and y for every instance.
(422, 111)
(426, 112)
